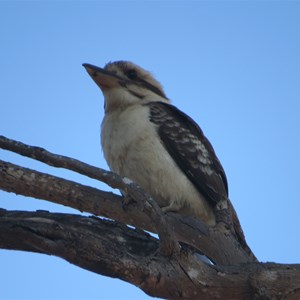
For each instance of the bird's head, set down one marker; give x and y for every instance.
(123, 84)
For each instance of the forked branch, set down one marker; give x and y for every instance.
(112, 249)
(160, 267)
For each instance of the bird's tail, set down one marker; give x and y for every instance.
(238, 231)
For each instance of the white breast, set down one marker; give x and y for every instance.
(133, 149)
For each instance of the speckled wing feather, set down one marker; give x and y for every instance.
(191, 150)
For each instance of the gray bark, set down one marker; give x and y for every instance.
(167, 266)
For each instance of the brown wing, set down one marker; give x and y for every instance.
(191, 150)
(195, 156)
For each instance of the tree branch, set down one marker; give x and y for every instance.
(112, 249)
(159, 267)
(168, 243)
(221, 248)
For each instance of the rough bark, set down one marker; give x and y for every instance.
(112, 249)
(163, 267)
(219, 247)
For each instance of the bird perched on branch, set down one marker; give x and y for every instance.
(155, 144)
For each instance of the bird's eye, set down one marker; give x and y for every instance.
(131, 74)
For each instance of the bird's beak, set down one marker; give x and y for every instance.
(104, 79)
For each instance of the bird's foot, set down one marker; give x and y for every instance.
(173, 207)
(127, 201)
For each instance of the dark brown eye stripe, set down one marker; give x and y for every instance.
(151, 87)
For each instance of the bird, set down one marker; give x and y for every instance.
(153, 143)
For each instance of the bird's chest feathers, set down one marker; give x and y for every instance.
(124, 133)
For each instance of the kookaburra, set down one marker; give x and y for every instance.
(155, 144)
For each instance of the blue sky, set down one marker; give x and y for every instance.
(233, 66)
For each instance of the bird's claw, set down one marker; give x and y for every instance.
(126, 201)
